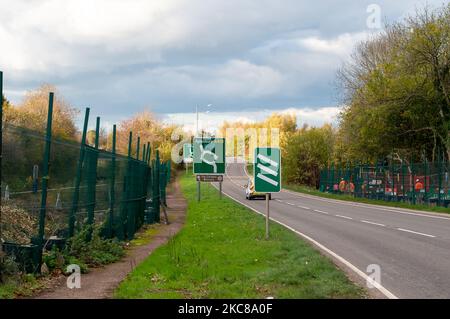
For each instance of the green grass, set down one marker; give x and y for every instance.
(312, 191)
(145, 235)
(221, 253)
(23, 285)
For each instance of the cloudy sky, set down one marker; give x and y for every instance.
(245, 57)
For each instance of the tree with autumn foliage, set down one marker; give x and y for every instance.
(149, 129)
(304, 151)
(24, 137)
(396, 89)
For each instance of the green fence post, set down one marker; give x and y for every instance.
(169, 164)
(1, 148)
(92, 180)
(45, 177)
(376, 179)
(439, 180)
(143, 186)
(333, 177)
(392, 183)
(112, 191)
(163, 183)
(329, 178)
(137, 147)
(149, 154)
(134, 190)
(413, 182)
(156, 191)
(357, 174)
(76, 192)
(128, 191)
(140, 188)
(425, 184)
(121, 229)
(403, 182)
(367, 184)
(145, 178)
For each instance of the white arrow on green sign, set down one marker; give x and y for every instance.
(209, 155)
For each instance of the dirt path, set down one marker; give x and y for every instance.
(100, 283)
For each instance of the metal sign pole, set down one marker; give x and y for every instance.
(267, 175)
(198, 191)
(267, 215)
(220, 190)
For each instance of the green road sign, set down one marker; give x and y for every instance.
(187, 152)
(209, 155)
(267, 170)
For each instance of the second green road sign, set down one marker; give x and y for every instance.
(209, 155)
(267, 170)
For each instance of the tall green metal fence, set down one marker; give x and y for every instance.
(415, 183)
(52, 188)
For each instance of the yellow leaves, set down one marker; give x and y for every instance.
(32, 113)
(149, 129)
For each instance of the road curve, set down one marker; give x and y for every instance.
(412, 248)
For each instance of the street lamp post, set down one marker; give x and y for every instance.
(196, 111)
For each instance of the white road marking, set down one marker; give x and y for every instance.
(369, 206)
(289, 203)
(342, 216)
(372, 223)
(352, 267)
(356, 205)
(321, 211)
(415, 232)
(350, 218)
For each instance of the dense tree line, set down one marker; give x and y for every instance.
(396, 97)
(396, 89)
(150, 129)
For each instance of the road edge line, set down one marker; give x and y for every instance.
(352, 267)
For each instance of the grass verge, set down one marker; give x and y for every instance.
(315, 192)
(20, 285)
(221, 253)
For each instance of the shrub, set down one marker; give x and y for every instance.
(94, 252)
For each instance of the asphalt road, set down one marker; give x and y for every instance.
(412, 248)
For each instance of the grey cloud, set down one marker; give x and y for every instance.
(120, 57)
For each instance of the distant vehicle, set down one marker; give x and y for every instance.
(250, 192)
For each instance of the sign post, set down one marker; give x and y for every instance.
(267, 175)
(209, 161)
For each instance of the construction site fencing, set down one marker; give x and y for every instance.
(415, 183)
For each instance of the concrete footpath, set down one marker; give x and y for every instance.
(100, 283)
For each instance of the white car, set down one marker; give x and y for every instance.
(250, 192)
